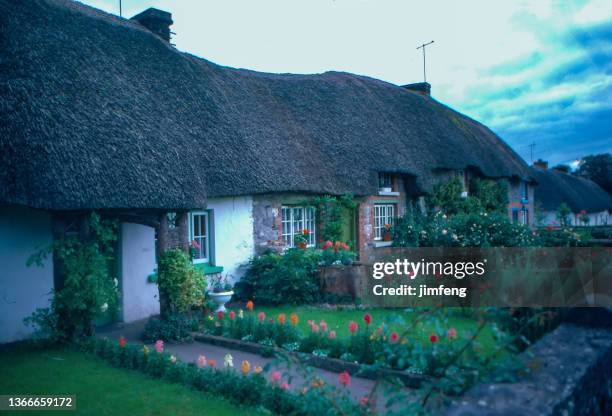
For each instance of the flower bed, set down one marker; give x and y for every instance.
(249, 386)
(386, 350)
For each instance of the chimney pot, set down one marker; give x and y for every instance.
(541, 164)
(423, 88)
(157, 21)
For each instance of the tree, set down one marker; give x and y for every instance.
(562, 168)
(598, 168)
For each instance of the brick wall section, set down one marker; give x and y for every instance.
(365, 234)
(514, 199)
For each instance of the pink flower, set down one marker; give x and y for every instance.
(261, 316)
(323, 326)
(220, 315)
(367, 318)
(363, 402)
(344, 246)
(159, 346)
(284, 385)
(332, 334)
(122, 341)
(195, 244)
(451, 333)
(394, 337)
(275, 376)
(232, 315)
(327, 245)
(353, 327)
(314, 328)
(344, 378)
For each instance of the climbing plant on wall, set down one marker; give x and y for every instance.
(86, 287)
(333, 213)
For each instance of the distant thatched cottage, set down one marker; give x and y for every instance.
(103, 113)
(590, 205)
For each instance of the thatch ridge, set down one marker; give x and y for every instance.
(555, 187)
(100, 113)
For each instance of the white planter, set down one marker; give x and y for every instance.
(221, 298)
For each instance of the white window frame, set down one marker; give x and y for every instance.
(294, 219)
(385, 180)
(383, 214)
(525, 216)
(206, 237)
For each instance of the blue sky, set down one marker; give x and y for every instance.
(534, 71)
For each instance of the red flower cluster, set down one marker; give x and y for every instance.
(344, 378)
(122, 341)
(337, 246)
(367, 318)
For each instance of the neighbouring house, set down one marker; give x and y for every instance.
(590, 205)
(101, 113)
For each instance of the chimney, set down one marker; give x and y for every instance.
(540, 164)
(423, 88)
(157, 21)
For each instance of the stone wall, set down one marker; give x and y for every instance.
(571, 376)
(343, 280)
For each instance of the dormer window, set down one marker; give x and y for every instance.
(385, 182)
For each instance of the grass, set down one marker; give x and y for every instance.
(397, 320)
(100, 389)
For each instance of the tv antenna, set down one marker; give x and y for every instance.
(423, 47)
(120, 9)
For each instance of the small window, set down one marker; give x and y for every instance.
(385, 181)
(384, 215)
(199, 230)
(294, 220)
(524, 191)
(525, 216)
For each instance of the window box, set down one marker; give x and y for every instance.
(378, 244)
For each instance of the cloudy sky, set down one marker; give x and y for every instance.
(534, 71)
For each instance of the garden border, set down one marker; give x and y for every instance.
(330, 364)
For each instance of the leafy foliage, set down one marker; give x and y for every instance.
(598, 168)
(181, 285)
(171, 328)
(332, 212)
(87, 287)
(274, 278)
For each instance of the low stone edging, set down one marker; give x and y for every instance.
(330, 364)
(571, 376)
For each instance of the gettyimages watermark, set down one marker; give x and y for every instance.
(501, 277)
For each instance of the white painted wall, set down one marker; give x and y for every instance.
(22, 289)
(596, 218)
(139, 298)
(233, 233)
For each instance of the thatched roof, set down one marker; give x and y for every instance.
(100, 113)
(555, 187)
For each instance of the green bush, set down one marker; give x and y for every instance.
(87, 288)
(275, 279)
(170, 328)
(180, 284)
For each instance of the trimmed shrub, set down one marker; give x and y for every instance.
(273, 279)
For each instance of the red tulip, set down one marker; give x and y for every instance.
(367, 318)
(344, 378)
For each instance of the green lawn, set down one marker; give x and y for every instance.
(100, 389)
(396, 319)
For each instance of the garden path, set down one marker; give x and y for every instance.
(190, 351)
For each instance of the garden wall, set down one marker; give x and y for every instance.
(22, 289)
(571, 376)
(343, 280)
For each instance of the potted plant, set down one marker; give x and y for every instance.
(301, 239)
(386, 232)
(222, 292)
